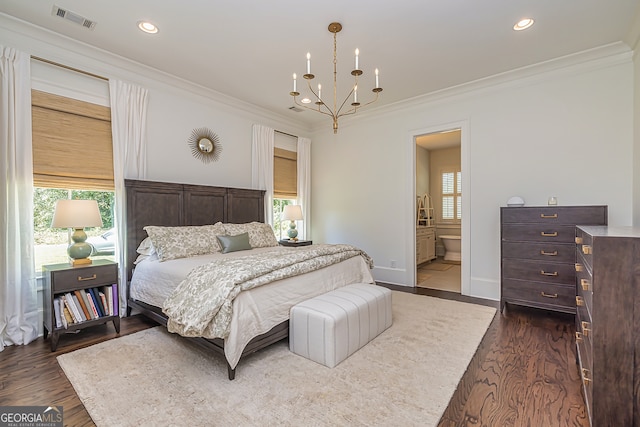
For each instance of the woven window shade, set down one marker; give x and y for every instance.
(285, 174)
(72, 145)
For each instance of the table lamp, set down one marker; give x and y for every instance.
(292, 213)
(77, 214)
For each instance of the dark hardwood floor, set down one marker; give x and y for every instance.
(523, 374)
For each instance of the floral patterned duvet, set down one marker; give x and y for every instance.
(201, 306)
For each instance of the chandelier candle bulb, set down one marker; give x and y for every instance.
(308, 63)
(377, 84)
(319, 92)
(357, 53)
(355, 94)
(294, 82)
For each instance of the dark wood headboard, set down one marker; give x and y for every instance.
(172, 204)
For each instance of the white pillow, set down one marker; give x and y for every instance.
(146, 247)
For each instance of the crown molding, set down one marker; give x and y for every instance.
(53, 46)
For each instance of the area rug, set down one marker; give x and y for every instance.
(404, 377)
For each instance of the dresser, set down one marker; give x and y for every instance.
(425, 244)
(608, 322)
(538, 254)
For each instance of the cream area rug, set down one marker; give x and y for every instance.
(404, 377)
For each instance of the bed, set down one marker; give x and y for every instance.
(260, 315)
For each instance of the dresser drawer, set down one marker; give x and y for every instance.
(80, 278)
(584, 288)
(544, 295)
(539, 233)
(556, 252)
(539, 271)
(584, 248)
(571, 215)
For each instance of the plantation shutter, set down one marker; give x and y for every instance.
(72, 146)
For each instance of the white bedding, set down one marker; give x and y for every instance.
(257, 310)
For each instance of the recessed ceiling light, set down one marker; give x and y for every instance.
(305, 101)
(523, 24)
(147, 27)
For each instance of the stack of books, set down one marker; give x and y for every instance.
(85, 305)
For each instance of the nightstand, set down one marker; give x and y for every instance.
(294, 243)
(79, 297)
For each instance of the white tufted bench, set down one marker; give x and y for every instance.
(331, 327)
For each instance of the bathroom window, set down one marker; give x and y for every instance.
(451, 196)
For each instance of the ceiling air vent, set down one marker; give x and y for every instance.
(296, 109)
(73, 17)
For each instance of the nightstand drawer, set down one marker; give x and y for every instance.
(83, 277)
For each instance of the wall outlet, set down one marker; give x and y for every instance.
(393, 263)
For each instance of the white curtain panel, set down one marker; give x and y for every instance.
(19, 317)
(129, 134)
(262, 166)
(304, 185)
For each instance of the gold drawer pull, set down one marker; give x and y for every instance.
(586, 249)
(585, 284)
(579, 240)
(585, 376)
(554, 234)
(578, 337)
(546, 273)
(579, 301)
(585, 328)
(554, 253)
(82, 279)
(579, 267)
(548, 295)
(555, 215)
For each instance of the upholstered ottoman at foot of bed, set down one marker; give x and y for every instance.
(331, 327)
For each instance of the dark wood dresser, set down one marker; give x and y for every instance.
(538, 254)
(608, 322)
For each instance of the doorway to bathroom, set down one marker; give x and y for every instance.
(438, 184)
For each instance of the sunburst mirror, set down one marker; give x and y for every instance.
(205, 145)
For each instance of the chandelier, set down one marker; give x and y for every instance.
(322, 107)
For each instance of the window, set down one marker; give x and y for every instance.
(285, 179)
(451, 196)
(72, 158)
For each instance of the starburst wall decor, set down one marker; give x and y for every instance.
(205, 145)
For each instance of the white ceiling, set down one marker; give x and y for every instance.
(249, 49)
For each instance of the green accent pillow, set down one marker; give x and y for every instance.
(239, 242)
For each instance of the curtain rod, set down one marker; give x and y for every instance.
(37, 58)
(284, 133)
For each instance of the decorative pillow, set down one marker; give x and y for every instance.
(261, 235)
(181, 242)
(235, 243)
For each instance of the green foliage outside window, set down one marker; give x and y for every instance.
(50, 243)
(279, 227)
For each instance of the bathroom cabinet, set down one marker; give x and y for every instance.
(425, 244)
(538, 254)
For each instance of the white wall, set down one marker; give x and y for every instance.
(636, 138)
(563, 131)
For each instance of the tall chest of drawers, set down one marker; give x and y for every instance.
(538, 254)
(608, 322)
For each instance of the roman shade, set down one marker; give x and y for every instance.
(285, 174)
(72, 146)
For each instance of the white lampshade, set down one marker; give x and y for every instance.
(292, 213)
(76, 214)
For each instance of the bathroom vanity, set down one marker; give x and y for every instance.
(538, 254)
